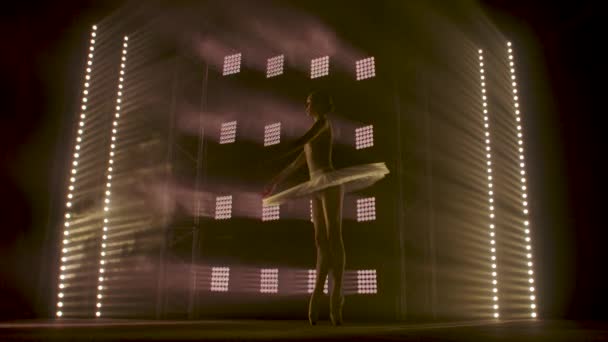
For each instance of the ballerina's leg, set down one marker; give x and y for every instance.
(323, 258)
(333, 199)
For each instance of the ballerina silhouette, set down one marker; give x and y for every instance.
(326, 187)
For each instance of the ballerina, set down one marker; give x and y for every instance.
(326, 187)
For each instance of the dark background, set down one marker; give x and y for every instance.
(41, 69)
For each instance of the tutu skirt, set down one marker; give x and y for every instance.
(353, 178)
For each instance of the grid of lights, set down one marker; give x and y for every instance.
(319, 67)
(223, 207)
(366, 282)
(312, 278)
(275, 66)
(106, 209)
(366, 209)
(68, 215)
(366, 68)
(364, 137)
(272, 134)
(270, 212)
(232, 64)
(269, 280)
(228, 132)
(486, 126)
(220, 277)
(522, 172)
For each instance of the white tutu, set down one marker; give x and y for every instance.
(353, 178)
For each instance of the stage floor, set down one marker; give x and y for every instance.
(266, 330)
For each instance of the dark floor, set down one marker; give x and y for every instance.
(258, 330)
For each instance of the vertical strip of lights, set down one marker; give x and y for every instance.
(106, 209)
(71, 188)
(486, 125)
(522, 172)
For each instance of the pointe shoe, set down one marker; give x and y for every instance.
(313, 309)
(335, 312)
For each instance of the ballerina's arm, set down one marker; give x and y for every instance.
(316, 129)
(286, 172)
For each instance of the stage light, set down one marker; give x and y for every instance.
(367, 282)
(311, 215)
(272, 134)
(228, 132)
(269, 280)
(486, 125)
(220, 278)
(364, 137)
(524, 195)
(223, 207)
(75, 163)
(366, 209)
(270, 212)
(107, 199)
(232, 64)
(366, 68)
(319, 67)
(274, 66)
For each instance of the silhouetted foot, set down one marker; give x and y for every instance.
(313, 309)
(335, 310)
(336, 319)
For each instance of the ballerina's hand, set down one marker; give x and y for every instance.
(268, 189)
